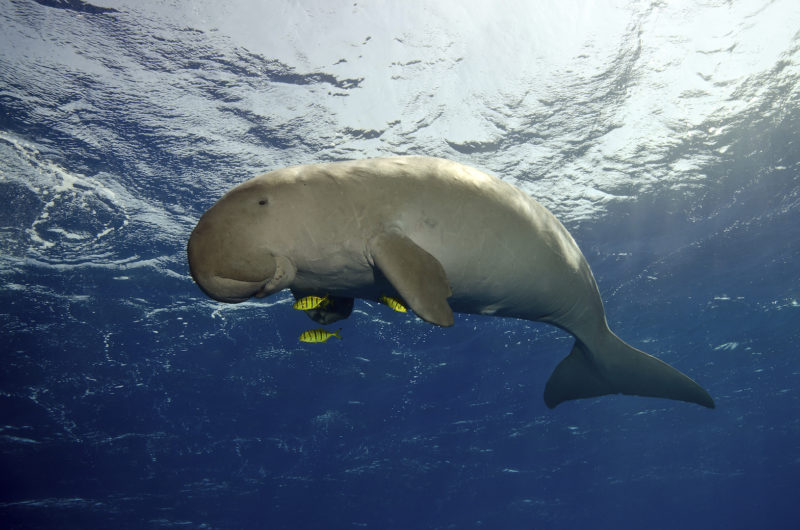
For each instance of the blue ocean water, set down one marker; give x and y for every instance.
(665, 136)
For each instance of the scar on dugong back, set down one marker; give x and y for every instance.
(442, 236)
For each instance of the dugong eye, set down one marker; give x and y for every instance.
(262, 202)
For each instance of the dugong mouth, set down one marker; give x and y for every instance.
(231, 290)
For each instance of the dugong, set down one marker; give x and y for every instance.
(440, 235)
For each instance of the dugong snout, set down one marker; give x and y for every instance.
(221, 269)
(229, 268)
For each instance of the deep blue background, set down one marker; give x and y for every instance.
(129, 400)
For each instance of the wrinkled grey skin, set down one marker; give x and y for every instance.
(442, 236)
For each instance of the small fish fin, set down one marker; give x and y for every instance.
(337, 334)
(417, 276)
(619, 368)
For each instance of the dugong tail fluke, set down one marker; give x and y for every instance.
(614, 367)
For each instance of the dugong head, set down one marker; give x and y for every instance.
(229, 250)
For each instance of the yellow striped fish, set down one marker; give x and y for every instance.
(392, 302)
(319, 335)
(311, 302)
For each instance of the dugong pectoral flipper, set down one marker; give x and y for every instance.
(614, 367)
(416, 274)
